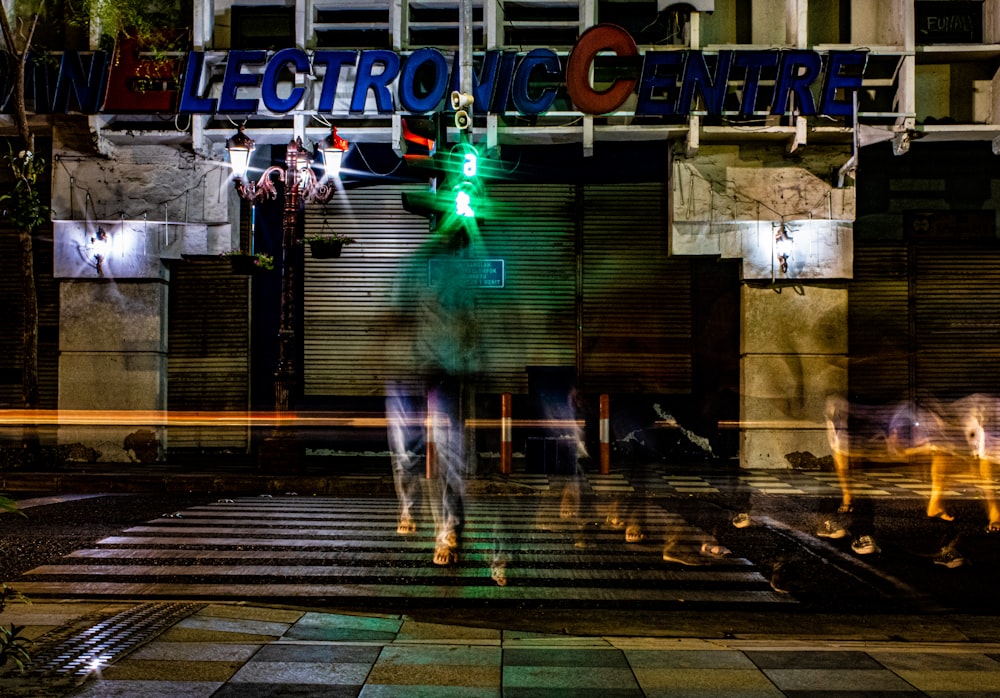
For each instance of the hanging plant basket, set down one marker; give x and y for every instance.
(326, 249)
(243, 264)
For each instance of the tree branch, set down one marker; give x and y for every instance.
(20, 113)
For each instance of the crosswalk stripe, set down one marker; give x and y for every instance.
(409, 591)
(281, 547)
(344, 571)
(553, 560)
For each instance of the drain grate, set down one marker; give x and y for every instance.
(94, 642)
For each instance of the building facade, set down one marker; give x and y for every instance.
(680, 215)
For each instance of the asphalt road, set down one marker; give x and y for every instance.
(823, 575)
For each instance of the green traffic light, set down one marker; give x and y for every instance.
(463, 205)
(470, 166)
(467, 190)
(461, 194)
(464, 201)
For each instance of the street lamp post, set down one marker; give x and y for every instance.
(301, 185)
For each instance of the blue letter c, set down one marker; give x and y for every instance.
(269, 87)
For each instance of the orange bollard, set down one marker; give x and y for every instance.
(505, 434)
(604, 427)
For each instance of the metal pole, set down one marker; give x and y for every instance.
(286, 374)
(465, 58)
(604, 428)
(506, 451)
(430, 422)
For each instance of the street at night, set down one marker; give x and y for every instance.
(345, 551)
(537, 349)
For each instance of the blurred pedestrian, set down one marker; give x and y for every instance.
(856, 433)
(981, 421)
(436, 316)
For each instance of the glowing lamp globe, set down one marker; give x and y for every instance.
(240, 148)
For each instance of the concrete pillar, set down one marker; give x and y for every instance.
(113, 357)
(793, 354)
(732, 201)
(156, 200)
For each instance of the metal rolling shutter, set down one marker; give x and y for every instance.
(636, 300)
(532, 321)
(636, 314)
(47, 292)
(11, 377)
(956, 305)
(348, 347)
(878, 324)
(209, 361)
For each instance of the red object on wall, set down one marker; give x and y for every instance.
(141, 85)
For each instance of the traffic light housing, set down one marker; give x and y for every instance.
(459, 192)
(467, 191)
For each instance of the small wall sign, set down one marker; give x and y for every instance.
(476, 273)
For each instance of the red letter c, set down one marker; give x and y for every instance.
(600, 37)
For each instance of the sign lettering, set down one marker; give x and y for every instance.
(674, 82)
(476, 273)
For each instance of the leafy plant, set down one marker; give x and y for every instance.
(329, 237)
(24, 206)
(264, 261)
(9, 594)
(148, 21)
(13, 647)
(8, 504)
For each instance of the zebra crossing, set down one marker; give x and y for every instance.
(663, 480)
(514, 549)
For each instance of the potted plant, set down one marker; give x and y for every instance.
(327, 245)
(244, 262)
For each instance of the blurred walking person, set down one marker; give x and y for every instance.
(435, 312)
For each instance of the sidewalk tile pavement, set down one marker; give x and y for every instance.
(234, 650)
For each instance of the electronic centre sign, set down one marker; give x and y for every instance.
(668, 82)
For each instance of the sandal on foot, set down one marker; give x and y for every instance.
(406, 526)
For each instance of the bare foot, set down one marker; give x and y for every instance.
(993, 526)
(406, 526)
(714, 550)
(444, 556)
(445, 552)
(634, 534)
